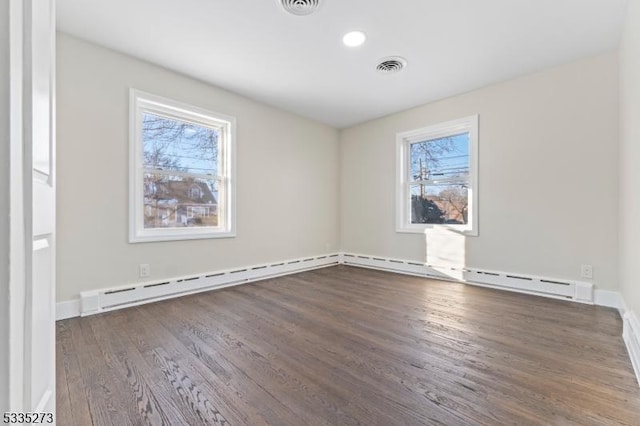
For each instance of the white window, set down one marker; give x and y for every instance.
(437, 177)
(181, 168)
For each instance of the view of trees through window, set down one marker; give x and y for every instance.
(181, 182)
(439, 181)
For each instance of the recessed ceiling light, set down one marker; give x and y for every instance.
(354, 38)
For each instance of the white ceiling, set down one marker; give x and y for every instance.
(298, 63)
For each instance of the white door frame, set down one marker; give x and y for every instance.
(17, 268)
(22, 69)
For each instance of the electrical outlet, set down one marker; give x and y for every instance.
(145, 270)
(586, 271)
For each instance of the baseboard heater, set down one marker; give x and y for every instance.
(548, 287)
(104, 300)
(93, 302)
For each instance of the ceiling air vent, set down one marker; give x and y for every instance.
(300, 7)
(391, 65)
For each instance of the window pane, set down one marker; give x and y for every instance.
(178, 202)
(447, 204)
(170, 144)
(440, 158)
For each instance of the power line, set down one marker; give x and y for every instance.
(452, 156)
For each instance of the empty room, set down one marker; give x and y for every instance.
(320, 212)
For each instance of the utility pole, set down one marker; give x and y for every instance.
(421, 179)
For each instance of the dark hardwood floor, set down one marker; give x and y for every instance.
(347, 346)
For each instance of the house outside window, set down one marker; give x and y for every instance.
(181, 171)
(437, 177)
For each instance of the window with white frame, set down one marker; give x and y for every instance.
(181, 171)
(437, 177)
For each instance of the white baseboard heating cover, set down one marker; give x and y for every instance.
(93, 302)
(548, 287)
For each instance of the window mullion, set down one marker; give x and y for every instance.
(182, 174)
(447, 181)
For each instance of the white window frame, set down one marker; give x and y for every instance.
(404, 181)
(141, 102)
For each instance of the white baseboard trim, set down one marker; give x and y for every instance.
(631, 336)
(610, 299)
(555, 288)
(68, 309)
(110, 299)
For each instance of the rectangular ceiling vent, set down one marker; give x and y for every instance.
(549, 287)
(93, 302)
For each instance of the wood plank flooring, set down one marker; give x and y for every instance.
(347, 346)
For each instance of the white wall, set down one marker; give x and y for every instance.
(630, 158)
(287, 182)
(548, 175)
(4, 205)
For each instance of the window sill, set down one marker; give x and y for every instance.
(178, 236)
(427, 228)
